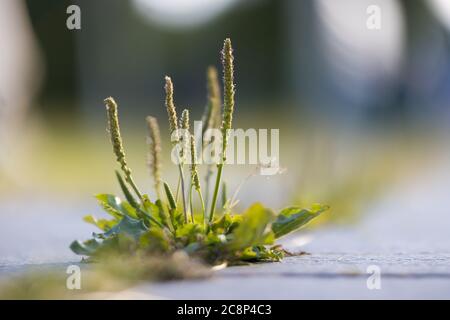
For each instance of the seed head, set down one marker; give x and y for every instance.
(194, 173)
(228, 94)
(170, 106)
(154, 158)
(211, 116)
(114, 131)
(184, 124)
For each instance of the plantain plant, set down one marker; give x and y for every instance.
(211, 232)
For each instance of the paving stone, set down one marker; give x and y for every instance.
(405, 234)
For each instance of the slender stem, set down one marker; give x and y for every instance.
(216, 191)
(183, 196)
(202, 204)
(207, 184)
(130, 181)
(178, 189)
(191, 206)
(158, 193)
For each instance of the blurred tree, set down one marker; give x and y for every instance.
(48, 17)
(124, 54)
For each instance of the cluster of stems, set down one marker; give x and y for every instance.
(184, 143)
(211, 119)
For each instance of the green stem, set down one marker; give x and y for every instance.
(207, 184)
(216, 191)
(191, 206)
(130, 181)
(202, 203)
(178, 189)
(183, 196)
(158, 193)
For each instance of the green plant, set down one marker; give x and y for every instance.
(141, 227)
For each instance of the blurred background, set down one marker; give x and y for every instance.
(359, 90)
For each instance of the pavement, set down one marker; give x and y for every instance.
(400, 249)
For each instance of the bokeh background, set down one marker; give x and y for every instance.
(360, 111)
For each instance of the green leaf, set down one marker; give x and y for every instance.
(116, 207)
(117, 244)
(226, 223)
(129, 226)
(156, 240)
(126, 191)
(253, 230)
(293, 218)
(111, 204)
(222, 224)
(155, 210)
(102, 224)
(260, 253)
(215, 239)
(177, 218)
(127, 209)
(161, 213)
(248, 254)
(190, 232)
(170, 197)
(87, 248)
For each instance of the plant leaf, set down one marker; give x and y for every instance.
(170, 197)
(127, 209)
(87, 248)
(253, 230)
(190, 232)
(154, 210)
(126, 191)
(260, 253)
(226, 223)
(129, 226)
(156, 240)
(293, 218)
(111, 204)
(161, 213)
(102, 224)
